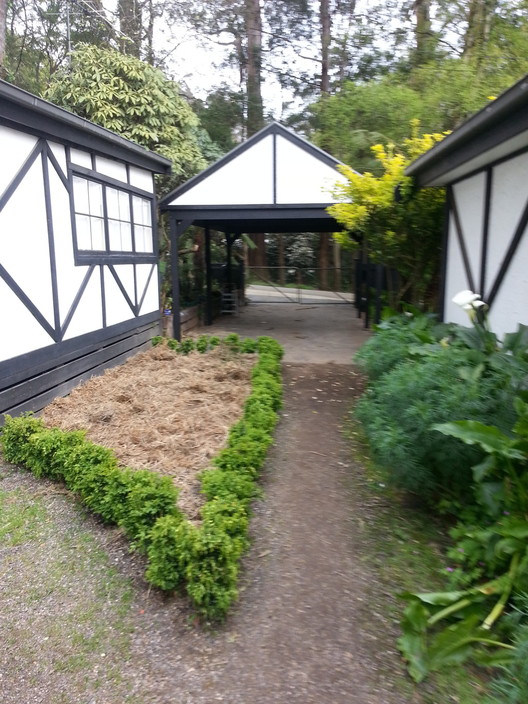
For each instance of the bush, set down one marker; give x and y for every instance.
(394, 341)
(400, 408)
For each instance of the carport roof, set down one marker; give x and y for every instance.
(276, 181)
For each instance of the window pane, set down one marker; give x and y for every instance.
(98, 237)
(84, 240)
(124, 206)
(112, 203)
(142, 211)
(80, 194)
(143, 238)
(95, 191)
(114, 233)
(126, 237)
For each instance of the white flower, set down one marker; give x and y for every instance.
(466, 299)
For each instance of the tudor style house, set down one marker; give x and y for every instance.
(484, 164)
(78, 251)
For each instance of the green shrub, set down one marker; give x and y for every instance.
(400, 408)
(249, 346)
(394, 340)
(168, 552)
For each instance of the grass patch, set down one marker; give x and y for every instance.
(406, 552)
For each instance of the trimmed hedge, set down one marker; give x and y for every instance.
(202, 559)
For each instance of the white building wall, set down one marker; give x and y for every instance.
(26, 256)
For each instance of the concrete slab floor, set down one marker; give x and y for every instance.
(316, 334)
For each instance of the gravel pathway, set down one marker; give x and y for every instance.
(307, 629)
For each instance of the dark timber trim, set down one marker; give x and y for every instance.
(485, 230)
(51, 242)
(17, 180)
(443, 263)
(37, 389)
(25, 112)
(19, 293)
(461, 241)
(519, 232)
(13, 371)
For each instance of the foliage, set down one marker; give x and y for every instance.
(395, 341)
(132, 499)
(428, 382)
(135, 100)
(403, 233)
(203, 558)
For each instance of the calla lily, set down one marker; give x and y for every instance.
(466, 298)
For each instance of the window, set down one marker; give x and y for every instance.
(111, 221)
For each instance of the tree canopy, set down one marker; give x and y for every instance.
(132, 98)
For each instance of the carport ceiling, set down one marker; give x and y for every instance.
(276, 181)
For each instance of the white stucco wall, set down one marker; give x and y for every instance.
(27, 258)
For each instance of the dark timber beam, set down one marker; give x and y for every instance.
(208, 279)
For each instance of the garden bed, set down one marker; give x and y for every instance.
(167, 412)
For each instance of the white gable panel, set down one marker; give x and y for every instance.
(117, 308)
(69, 276)
(59, 152)
(509, 307)
(125, 272)
(81, 158)
(24, 247)
(109, 167)
(508, 198)
(151, 300)
(88, 315)
(469, 198)
(245, 180)
(15, 147)
(21, 332)
(302, 177)
(456, 279)
(141, 179)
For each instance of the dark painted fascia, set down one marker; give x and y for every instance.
(20, 109)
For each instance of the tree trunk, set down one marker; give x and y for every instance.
(255, 110)
(323, 260)
(326, 29)
(479, 19)
(3, 15)
(130, 25)
(337, 265)
(282, 263)
(257, 257)
(423, 32)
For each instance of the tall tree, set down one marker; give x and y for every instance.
(3, 28)
(255, 110)
(130, 24)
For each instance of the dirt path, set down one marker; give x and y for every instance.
(305, 630)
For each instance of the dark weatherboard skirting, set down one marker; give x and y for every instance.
(31, 381)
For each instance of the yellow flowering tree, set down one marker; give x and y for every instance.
(399, 225)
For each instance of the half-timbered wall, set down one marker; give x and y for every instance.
(487, 248)
(78, 266)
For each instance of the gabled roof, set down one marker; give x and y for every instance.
(22, 110)
(274, 168)
(498, 130)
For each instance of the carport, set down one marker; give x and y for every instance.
(275, 182)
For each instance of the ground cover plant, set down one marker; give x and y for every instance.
(201, 558)
(463, 393)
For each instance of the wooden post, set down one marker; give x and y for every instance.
(208, 282)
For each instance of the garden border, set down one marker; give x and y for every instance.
(203, 559)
